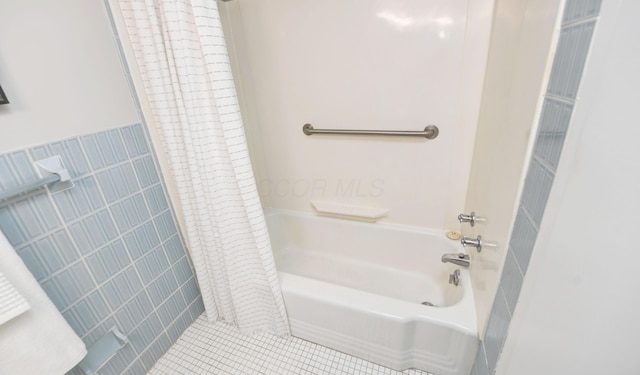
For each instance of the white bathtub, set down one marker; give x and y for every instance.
(358, 287)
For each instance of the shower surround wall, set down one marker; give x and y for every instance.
(520, 58)
(107, 251)
(578, 24)
(397, 65)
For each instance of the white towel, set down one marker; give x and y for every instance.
(38, 341)
(12, 303)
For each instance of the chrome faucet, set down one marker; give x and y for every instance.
(460, 259)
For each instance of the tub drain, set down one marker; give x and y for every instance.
(427, 303)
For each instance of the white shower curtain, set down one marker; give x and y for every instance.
(182, 57)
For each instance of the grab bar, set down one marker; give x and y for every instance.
(429, 132)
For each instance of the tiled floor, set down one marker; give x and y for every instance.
(206, 348)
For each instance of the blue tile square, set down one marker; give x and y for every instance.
(11, 227)
(28, 219)
(146, 333)
(87, 313)
(523, 238)
(64, 246)
(171, 309)
(117, 146)
(74, 158)
(165, 226)
(130, 212)
(67, 205)
(92, 150)
(108, 261)
(48, 254)
(117, 182)
(106, 150)
(179, 326)
(156, 199)
(196, 308)
(496, 331)
(151, 265)
(121, 288)
(134, 311)
(146, 171)
(23, 169)
(576, 10)
(569, 61)
(190, 291)
(56, 294)
(142, 239)
(174, 248)
(511, 281)
(155, 351)
(93, 231)
(140, 209)
(134, 140)
(30, 256)
(182, 270)
(8, 179)
(43, 206)
(162, 288)
(536, 190)
(80, 200)
(554, 122)
(136, 368)
(69, 286)
(81, 237)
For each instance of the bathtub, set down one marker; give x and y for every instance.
(359, 287)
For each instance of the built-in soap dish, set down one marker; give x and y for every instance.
(348, 211)
(102, 351)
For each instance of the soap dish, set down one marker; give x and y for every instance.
(102, 351)
(348, 211)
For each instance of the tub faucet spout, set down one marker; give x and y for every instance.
(460, 259)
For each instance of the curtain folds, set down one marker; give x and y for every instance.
(182, 57)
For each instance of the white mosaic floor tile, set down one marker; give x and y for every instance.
(206, 348)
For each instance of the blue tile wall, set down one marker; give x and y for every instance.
(108, 251)
(578, 23)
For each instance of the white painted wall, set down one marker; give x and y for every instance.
(517, 70)
(579, 306)
(61, 71)
(347, 64)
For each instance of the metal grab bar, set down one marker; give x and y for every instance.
(429, 132)
(28, 188)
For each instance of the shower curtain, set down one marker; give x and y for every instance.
(182, 58)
